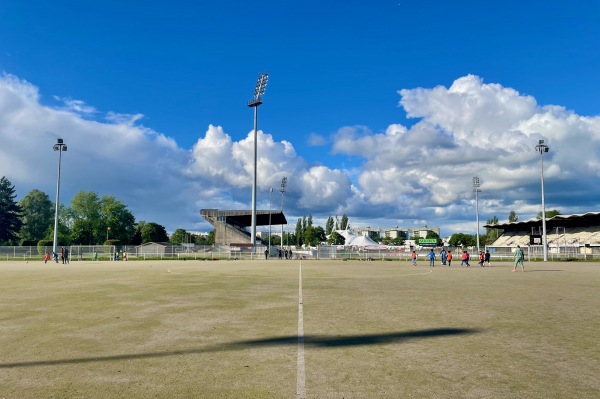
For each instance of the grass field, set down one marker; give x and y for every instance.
(230, 329)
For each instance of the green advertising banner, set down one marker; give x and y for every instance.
(428, 241)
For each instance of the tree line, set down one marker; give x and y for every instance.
(87, 220)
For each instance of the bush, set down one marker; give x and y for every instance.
(28, 243)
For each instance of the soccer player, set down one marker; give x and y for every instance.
(519, 258)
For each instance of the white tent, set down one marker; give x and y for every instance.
(362, 241)
(355, 240)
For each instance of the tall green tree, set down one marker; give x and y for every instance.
(114, 214)
(95, 220)
(10, 213)
(512, 217)
(85, 212)
(344, 224)
(299, 233)
(137, 236)
(329, 226)
(154, 232)
(38, 215)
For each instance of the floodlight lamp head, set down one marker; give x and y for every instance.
(261, 85)
(60, 146)
(283, 185)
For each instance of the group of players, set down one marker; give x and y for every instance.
(484, 258)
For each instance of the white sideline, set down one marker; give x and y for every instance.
(301, 379)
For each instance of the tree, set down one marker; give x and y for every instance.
(549, 214)
(211, 238)
(512, 217)
(85, 214)
(10, 213)
(276, 240)
(179, 236)
(288, 238)
(336, 238)
(491, 234)
(461, 239)
(434, 235)
(37, 216)
(94, 220)
(398, 241)
(137, 236)
(114, 214)
(314, 235)
(64, 231)
(154, 232)
(299, 233)
(329, 226)
(344, 223)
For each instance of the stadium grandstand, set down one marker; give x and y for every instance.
(231, 226)
(566, 234)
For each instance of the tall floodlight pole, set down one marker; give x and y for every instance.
(476, 190)
(282, 190)
(542, 148)
(60, 147)
(270, 202)
(261, 84)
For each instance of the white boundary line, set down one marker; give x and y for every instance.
(301, 375)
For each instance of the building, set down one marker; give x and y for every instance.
(395, 232)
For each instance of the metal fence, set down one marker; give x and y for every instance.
(214, 252)
(555, 253)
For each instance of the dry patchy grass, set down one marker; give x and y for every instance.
(228, 329)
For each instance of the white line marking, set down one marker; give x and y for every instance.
(301, 376)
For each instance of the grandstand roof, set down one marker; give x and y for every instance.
(576, 220)
(244, 217)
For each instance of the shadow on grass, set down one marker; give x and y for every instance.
(546, 270)
(317, 341)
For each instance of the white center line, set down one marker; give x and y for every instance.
(301, 380)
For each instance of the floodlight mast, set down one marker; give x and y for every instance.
(270, 202)
(60, 147)
(282, 190)
(476, 190)
(542, 148)
(261, 84)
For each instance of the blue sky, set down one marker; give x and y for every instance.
(383, 110)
